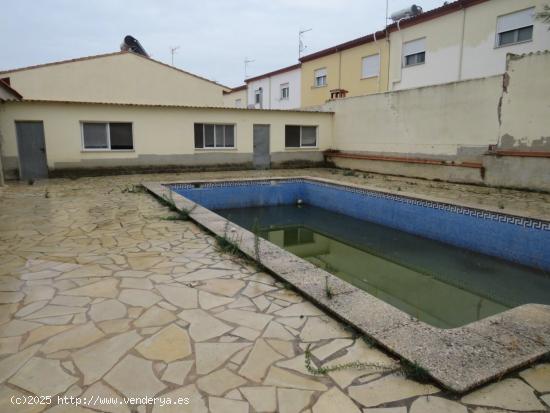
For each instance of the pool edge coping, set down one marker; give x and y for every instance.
(459, 359)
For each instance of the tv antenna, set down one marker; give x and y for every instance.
(173, 52)
(301, 46)
(247, 61)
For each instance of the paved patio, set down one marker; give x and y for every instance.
(102, 298)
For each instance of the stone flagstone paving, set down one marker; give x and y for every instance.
(101, 297)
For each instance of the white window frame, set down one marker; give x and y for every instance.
(238, 103)
(316, 77)
(363, 66)
(108, 149)
(216, 148)
(282, 87)
(316, 146)
(258, 92)
(404, 58)
(516, 30)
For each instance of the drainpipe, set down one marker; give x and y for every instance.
(270, 95)
(340, 70)
(1, 170)
(461, 55)
(2, 182)
(380, 62)
(400, 55)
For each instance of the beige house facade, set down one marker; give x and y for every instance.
(358, 67)
(121, 77)
(91, 136)
(236, 98)
(125, 111)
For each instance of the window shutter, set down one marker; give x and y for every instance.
(292, 136)
(309, 135)
(371, 66)
(320, 72)
(416, 46)
(209, 136)
(95, 135)
(199, 139)
(229, 136)
(121, 136)
(514, 21)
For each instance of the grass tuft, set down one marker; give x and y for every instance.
(353, 365)
(133, 189)
(413, 371)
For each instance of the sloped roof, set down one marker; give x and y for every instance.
(99, 56)
(274, 72)
(235, 89)
(381, 34)
(10, 90)
(157, 105)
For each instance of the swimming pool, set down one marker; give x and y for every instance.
(442, 264)
(518, 239)
(459, 358)
(435, 282)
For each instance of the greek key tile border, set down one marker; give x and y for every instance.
(456, 209)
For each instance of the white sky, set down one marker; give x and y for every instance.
(214, 35)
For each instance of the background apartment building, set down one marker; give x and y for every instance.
(465, 39)
(358, 67)
(279, 89)
(236, 97)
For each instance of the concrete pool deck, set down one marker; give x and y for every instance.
(100, 296)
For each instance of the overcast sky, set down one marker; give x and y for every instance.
(214, 36)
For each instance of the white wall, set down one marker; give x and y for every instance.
(461, 45)
(271, 90)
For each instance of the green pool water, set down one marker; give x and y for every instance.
(437, 283)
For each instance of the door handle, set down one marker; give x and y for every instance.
(43, 150)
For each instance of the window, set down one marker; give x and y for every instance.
(300, 136)
(515, 27)
(371, 66)
(285, 91)
(114, 136)
(258, 96)
(214, 136)
(414, 53)
(238, 103)
(320, 77)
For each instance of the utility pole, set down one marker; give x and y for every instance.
(246, 62)
(173, 52)
(301, 46)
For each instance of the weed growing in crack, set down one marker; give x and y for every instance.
(413, 371)
(182, 214)
(369, 341)
(328, 290)
(228, 244)
(256, 231)
(133, 189)
(353, 365)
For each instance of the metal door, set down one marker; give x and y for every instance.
(32, 150)
(262, 158)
